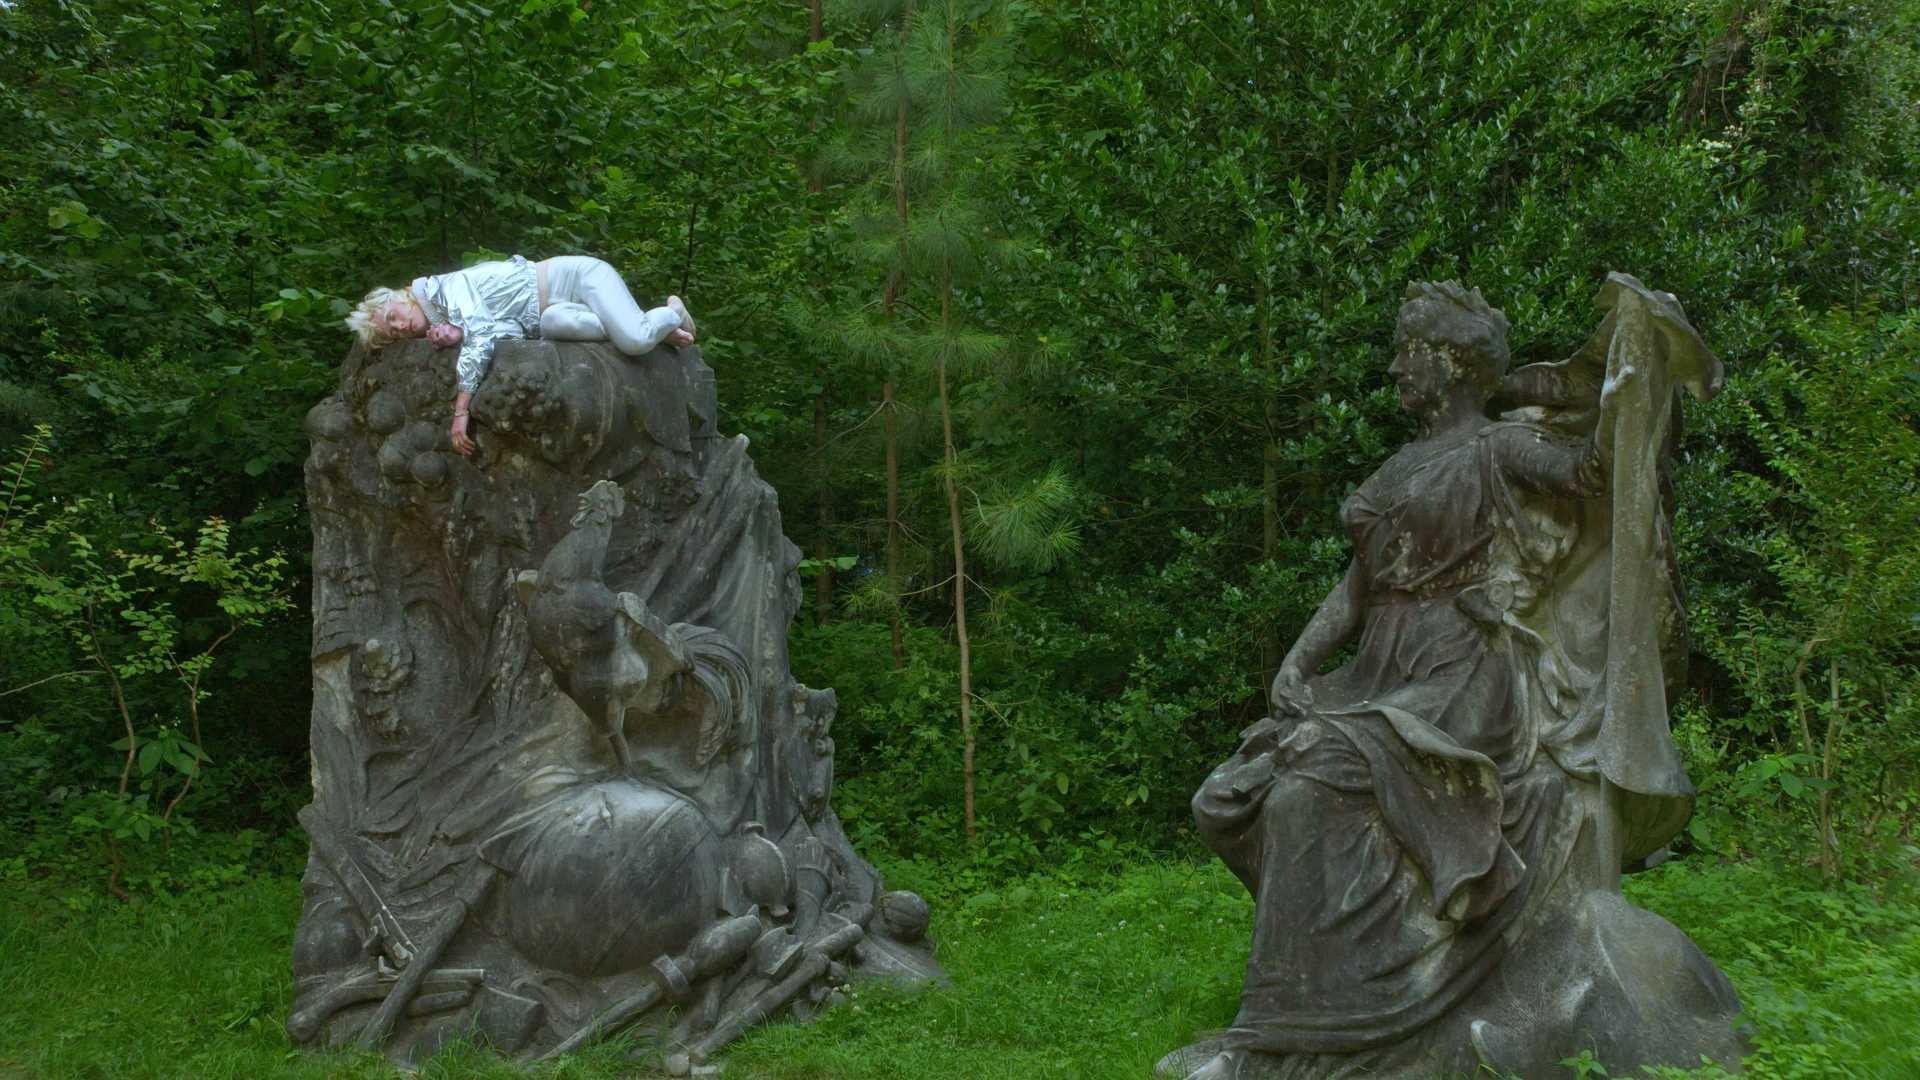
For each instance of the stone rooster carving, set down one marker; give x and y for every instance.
(606, 650)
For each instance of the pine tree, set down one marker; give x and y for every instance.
(925, 102)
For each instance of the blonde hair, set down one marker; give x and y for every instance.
(365, 320)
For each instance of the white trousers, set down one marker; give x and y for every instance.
(587, 301)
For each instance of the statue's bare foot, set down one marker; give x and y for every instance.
(1224, 1065)
(686, 320)
(679, 339)
(1483, 1036)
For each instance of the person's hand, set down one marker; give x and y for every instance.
(445, 335)
(461, 441)
(1290, 695)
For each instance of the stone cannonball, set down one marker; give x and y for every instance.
(329, 938)
(904, 915)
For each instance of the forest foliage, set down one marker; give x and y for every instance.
(1104, 313)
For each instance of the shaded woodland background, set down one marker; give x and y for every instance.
(1085, 305)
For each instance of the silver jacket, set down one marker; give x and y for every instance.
(487, 301)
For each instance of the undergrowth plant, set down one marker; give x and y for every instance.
(109, 594)
(1825, 660)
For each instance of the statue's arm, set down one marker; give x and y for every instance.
(1553, 464)
(1565, 384)
(1334, 621)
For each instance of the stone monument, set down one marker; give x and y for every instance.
(565, 783)
(1434, 831)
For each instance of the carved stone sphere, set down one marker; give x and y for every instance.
(610, 876)
(904, 915)
(329, 938)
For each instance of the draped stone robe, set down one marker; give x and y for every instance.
(1394, 835)
(1497, 748)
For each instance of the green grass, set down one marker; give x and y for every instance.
(1051, 978)
(1829, 976)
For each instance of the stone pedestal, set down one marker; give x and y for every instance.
(564, 781)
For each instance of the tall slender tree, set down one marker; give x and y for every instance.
(941, 81)
(823, 482)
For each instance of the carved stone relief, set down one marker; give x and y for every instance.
(565, 783)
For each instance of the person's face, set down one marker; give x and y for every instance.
(403, 318)
(1423, 372)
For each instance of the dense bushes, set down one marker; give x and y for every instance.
(1220, 226)
(1205, 212)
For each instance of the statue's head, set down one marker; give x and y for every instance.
(381, 670)
(601, 504)
(1465, 331)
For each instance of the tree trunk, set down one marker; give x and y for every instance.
(823, 509)
(256, 46)
(895, 283)
(823, 482)
(888, 415)
(959, 567)
(686, 268)
(133, 746)
(1829, 841)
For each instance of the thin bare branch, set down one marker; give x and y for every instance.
(50, 678)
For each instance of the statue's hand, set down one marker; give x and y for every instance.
(1290, 695)
(445, 335)
(1616, 381)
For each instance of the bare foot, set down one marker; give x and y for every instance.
(1222, 1066)
(679, 339)
(686, 320)
(1481, 1035)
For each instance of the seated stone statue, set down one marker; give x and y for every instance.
(1434, 831)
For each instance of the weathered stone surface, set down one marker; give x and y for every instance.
(563, 776)
(1434, 831)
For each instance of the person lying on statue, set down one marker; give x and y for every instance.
(566, 298)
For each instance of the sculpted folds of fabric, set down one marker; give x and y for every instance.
(1434, 843)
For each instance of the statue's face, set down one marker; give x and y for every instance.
(1423, 372)
(382, 671)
